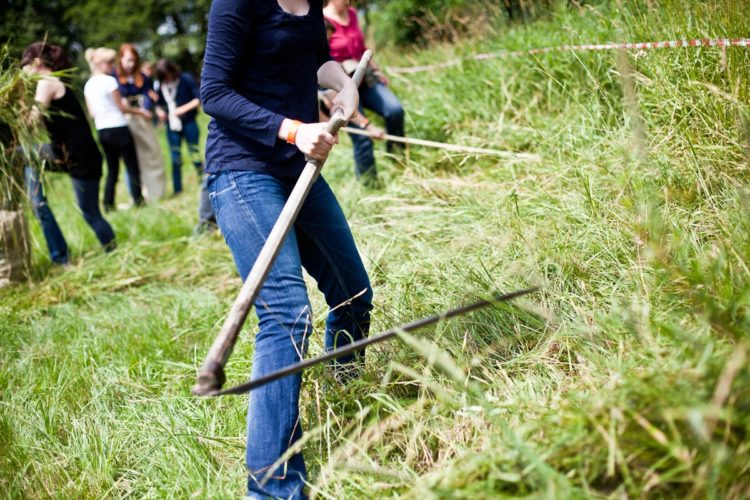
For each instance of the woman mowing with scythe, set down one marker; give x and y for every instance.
(263, 63)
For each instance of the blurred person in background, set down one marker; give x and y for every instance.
(179, 101)
(135, 88)
(72, 149)
(147, 68)
(106, 106)
(347, 44)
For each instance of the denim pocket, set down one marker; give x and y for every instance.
(216, 185)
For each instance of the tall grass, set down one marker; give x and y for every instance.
(15, 132)
(626, 376)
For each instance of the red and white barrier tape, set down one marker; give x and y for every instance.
(674, 44)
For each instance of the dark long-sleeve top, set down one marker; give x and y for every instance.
(186, 91)
(260, 67)
(131, 91)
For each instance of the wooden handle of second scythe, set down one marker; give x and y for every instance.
(211, 375)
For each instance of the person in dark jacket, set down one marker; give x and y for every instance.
(179, 101)
(263, 63)
(72, 149)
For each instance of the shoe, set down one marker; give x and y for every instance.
(110, 247)
(205, 227)
(372, 182)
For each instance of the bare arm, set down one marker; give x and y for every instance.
(117, 96)
(188, 107)
(47, 89)
(331, 75)
(88, 108)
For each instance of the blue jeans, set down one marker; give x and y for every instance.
(87, 195)
(191, 135)
(246, 205)
(58, 248)
(381, 100)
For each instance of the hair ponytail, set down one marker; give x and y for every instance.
(53, 57)
(98, 55)
(89, 55)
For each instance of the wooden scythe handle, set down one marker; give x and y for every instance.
(211, 375)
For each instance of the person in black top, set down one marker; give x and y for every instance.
(72, 149)
(263, 63)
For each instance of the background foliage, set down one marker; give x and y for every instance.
(177, 28)
(407, 22)
(173, 28)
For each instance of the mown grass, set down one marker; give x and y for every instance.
(626, 376)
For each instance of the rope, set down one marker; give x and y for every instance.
(448, 147)
(672, 44)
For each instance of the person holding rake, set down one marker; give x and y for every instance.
(347, 42)
(263, 64)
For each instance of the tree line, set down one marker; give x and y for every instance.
(177, 28)
(161, 28)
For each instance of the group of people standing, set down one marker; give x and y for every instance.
(126, 99)
(124, 105)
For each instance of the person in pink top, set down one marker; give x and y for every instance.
(347, 44)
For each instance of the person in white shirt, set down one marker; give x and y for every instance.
(105, 105)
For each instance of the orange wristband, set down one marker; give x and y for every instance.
(291, 136)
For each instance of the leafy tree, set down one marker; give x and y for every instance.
(25, 21)
(160, 28)
(406, 22)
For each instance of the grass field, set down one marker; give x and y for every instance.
(627, 375)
